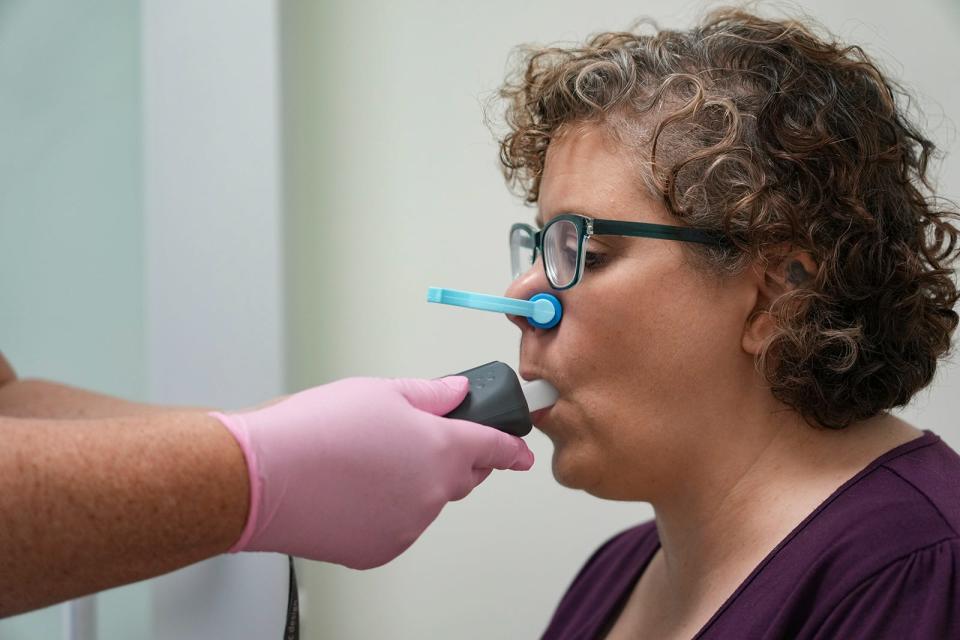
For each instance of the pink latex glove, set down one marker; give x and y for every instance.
(352, 472)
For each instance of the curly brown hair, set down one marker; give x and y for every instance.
(772, 133)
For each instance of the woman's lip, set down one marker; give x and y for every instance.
(529, 375)
(537, 416)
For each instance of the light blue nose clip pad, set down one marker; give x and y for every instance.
(542, 310)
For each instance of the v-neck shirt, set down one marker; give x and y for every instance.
(879, 558)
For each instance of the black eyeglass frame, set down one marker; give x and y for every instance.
(588, 227)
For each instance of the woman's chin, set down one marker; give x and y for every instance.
(590, 472)
(572, 470)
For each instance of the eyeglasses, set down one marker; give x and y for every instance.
(563, 243)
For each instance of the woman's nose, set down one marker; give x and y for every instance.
(527, 284)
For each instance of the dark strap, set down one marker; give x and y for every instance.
(291, 631)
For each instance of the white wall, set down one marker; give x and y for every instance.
(212, 218)
(212, 201)
(393, 186)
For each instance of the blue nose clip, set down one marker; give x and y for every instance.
(542, 310)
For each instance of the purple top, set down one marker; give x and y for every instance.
(879, 558)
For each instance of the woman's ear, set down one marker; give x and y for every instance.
(779, 275)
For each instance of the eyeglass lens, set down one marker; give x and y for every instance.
(560, 253)
(521, 251)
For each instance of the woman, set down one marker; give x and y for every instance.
(735, 365)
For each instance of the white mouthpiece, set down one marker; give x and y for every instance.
(540, 394)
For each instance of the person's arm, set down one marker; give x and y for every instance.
(7, 374)
(350, 472)
(91, 504)
(33, 398)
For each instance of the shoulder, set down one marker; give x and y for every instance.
(884, 544)
(905, 500)
(914, 596)
(930, 471)
(905, 573)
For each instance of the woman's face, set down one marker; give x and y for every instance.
(648, 353)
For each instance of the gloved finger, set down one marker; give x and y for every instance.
(475, 478)
(438, 397)
(492, 449)
(479, 475)
(525, 464)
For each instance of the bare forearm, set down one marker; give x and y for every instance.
(44, 399)
(92, 504)
(32, 398)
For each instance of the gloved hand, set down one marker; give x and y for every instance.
(352, 472)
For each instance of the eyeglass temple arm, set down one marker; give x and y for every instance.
(650, 230)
